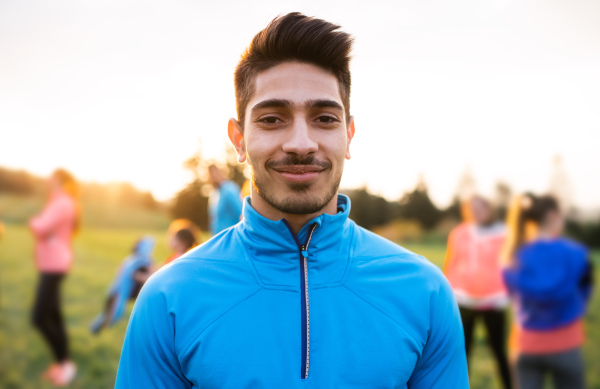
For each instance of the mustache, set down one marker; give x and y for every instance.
(295, 160)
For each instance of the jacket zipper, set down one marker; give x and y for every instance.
(305, 311)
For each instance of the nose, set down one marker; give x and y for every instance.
(299, 139)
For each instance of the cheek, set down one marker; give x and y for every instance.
(259, 148)
(335, 146)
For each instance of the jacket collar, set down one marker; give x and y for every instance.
(275, 255)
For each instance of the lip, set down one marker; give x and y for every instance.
(299, 173)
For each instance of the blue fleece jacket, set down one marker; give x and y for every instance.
(259, 307)
(550, 282)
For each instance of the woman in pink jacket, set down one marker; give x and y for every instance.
(53, 230)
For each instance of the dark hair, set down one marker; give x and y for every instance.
(186, 237)
(294, 37)
(535, 209)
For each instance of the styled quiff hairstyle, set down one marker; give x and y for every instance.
(294, 37)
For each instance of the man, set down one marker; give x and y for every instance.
(225, 204)
(296, 295)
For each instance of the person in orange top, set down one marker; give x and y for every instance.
(53, 230)
(472, 267)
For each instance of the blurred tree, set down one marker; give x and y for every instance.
(235, 170)
(189, 203)
(19, 182)
(587, 232)
(560, 185)
(369, 210)
(453, 211)
(417, 205)
(502, 197)
(467, 186)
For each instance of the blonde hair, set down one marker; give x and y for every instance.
(525, 215)
(69, 185)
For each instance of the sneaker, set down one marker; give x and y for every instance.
(65, 375)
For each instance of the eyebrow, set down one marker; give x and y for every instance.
(281, 103)
(323, 104)
(272, 103)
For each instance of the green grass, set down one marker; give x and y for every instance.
(24, 356)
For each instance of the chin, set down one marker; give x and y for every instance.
(300, 200)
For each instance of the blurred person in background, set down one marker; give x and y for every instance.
(126, 284)
(549, 278)
(473, 269)
(182, 236)
(53, 230)
(225, 204)
(183, 241)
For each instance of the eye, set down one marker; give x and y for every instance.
(327, 119)
(270, 120)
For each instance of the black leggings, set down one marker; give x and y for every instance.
(47, 316)
(495, 323)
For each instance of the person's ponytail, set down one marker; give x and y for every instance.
(70, 186)
(525, 214)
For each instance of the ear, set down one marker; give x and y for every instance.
(349, 135)
(236, 136)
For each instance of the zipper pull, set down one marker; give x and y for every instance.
(304, 251)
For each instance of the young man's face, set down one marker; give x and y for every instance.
(295, 137)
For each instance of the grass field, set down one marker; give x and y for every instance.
(23, 355)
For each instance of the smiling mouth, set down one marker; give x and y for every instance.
(299, 173)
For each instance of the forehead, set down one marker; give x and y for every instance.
(296, 82)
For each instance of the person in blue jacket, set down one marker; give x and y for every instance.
(550, 280)
(225, 203)
(296, 295)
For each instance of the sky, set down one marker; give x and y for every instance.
(119, 90)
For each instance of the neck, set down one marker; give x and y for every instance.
(296, 221)
(545, 234)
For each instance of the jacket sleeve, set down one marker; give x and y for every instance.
(443, 363)
(148, 359)
(52, 216)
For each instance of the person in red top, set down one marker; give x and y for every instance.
(472, 267)
(53, 230)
